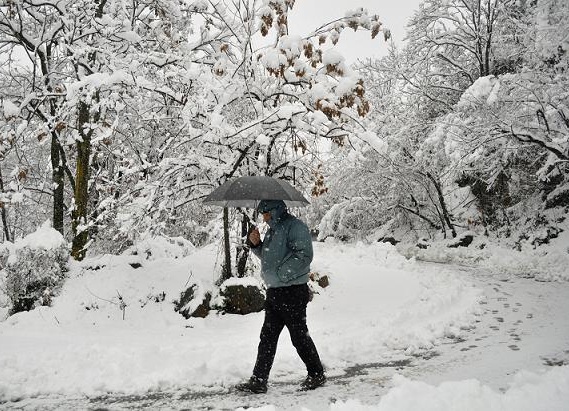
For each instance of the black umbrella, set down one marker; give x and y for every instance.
(247, 191)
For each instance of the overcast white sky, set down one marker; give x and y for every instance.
(308, 15)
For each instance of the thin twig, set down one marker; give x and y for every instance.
(188, 280)
(122, 304)
(96, 296)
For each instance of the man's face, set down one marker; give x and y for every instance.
(266, 216)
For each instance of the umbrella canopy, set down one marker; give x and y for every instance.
(247, 191)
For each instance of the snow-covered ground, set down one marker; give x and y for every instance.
(394, 334)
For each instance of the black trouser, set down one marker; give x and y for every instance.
(286, 306)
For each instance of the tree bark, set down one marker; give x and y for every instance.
(81, 234)
(3, 211)
(226, 272)
(441, 197)
(242, 251)
(427, 219)
(57, 173)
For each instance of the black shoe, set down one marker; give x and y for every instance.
(313, 381)
(255, 385)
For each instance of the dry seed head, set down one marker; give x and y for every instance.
(339, 141)
(375, 29)
(264, 30)
(363, 108)
(308, 50)
(22, 174)
(334, 69)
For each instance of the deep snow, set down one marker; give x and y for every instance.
(390, 331)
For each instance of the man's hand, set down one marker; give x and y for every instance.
(255, 237)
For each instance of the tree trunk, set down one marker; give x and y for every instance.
(57, 174)
(81, 234)
(3, 211)
(442, 202)
(82, 171)
(418, 214)
(242, 251)
(226, 272)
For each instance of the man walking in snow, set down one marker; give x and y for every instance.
(286, 254)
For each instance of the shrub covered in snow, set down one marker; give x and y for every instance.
(351, 219)
(35, 268)
(4, 254)
(4, 300)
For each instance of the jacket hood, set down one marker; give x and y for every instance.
(277, 208)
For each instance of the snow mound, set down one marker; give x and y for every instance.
(543, 264)
(45, 237)
(528, 392)
(483, 91)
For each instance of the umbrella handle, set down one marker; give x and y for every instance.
(247, 240)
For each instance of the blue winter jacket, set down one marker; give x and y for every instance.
(286, 251)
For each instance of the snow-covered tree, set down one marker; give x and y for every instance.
(148, 106)
(470, 117)
(511, 128)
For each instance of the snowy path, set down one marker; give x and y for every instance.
(521, 326)
(524, 327)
